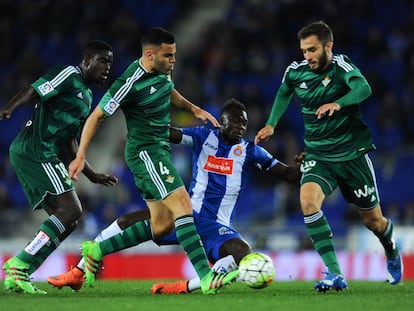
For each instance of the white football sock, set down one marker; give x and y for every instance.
(225, 264)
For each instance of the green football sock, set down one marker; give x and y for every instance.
(41, 256)
(44, 243)
(191, 243)
(46, 251)
(321, 236)
(387, 240)
(131, 236)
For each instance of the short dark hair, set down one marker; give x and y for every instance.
(231, 104)
(157, 36)
(319, 29)
(93, 47)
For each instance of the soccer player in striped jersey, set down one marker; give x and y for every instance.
(145, 92)
(222, 161)
(62, 103)
(222, 164)
(337, 141)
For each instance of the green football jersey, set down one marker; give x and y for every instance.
(144, 99)
(344, 135)
(65, 103)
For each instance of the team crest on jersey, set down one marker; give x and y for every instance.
(111, 106)
(326, 81)
(170, 179)
(238, 151)
(219, 165)
(68, 181)
(45, 88)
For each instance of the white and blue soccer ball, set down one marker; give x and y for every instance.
(256, 270)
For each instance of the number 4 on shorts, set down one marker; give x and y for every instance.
(163, 169)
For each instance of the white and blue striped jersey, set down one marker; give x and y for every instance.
(220, 171)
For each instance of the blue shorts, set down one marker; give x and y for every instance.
(212, 233)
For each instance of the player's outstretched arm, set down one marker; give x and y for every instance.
(24, 97)
(290, 173)
(264, 134)
(88, 171)
(89, 129)
(181, 102)
(280, 104)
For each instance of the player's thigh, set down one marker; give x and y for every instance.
(358, 184)
(41, 180)
(178, 202)
(321, 173)
(318, 181)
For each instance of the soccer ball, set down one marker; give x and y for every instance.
(256, 270)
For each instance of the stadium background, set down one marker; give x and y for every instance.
(225, 49)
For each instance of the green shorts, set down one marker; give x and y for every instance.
(355, 179)
(154, 173)
(40, 179)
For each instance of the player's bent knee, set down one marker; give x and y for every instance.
(162, 229)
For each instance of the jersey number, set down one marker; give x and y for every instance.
(163, 169)
(62, 170)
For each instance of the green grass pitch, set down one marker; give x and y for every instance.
(293, 295)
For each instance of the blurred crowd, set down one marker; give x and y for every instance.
(240, 54)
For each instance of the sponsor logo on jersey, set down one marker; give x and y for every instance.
(225, 230)
(80, 95)
(207, 144)
(45, 88)
(367, 191)
(38, 242)
(218, 165)
(303, 86)
(152, 90)
(111, 106)
(238, 151)
(326, 81)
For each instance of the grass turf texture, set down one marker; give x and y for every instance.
(295, 295)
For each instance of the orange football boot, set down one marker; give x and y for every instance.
(73, 278)
(174, 288)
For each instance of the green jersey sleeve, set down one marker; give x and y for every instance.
(280, 104)
(48, 85)
(359, 90)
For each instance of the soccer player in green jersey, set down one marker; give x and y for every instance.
(62, 103)
(145, 92)
(337, 141)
